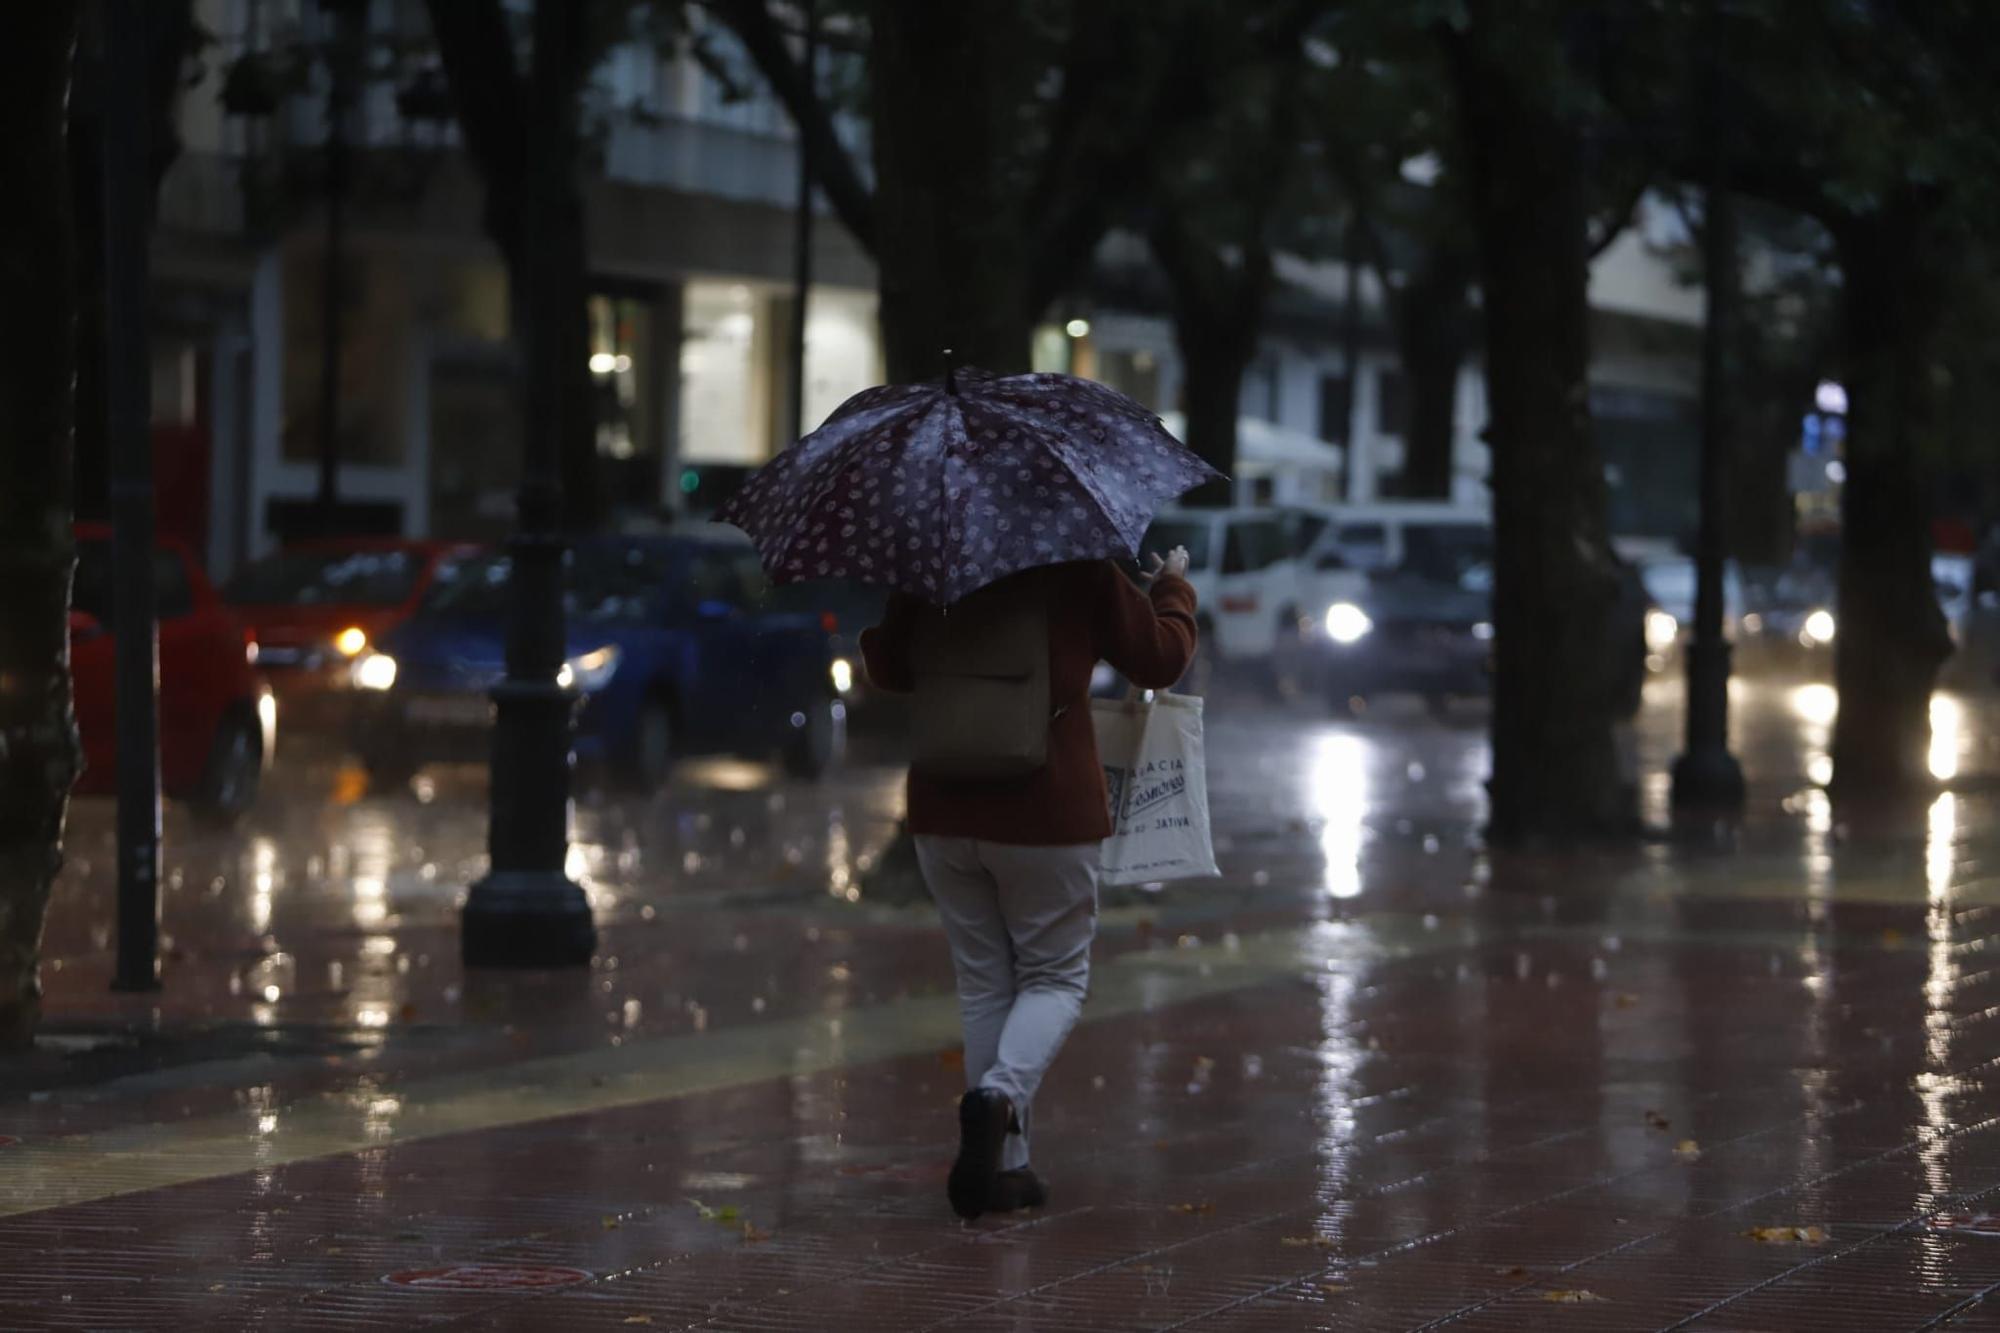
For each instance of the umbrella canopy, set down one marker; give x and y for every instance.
(939, 489)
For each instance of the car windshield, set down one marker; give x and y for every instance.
(1446, 552)
(599, 585)
(1168, 533)
(327, 578)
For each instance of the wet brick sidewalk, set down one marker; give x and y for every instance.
(1373, 1080)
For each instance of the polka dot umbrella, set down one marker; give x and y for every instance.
(939, 489)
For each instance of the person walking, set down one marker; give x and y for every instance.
(1012, 861)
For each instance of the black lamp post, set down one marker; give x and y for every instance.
(128, 207)
(1707, 776)
(527, 912)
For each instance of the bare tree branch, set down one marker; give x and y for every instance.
(490, 94)
(769, 46)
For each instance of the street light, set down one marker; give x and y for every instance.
(527, 911)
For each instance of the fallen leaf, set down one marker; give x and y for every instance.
(333, 1249)
(752, 1235)
(1687, 1150)
(1654, 1120)
(611, 1222)
(215, 1286)
(408, 1013)
(1892, 937)
(1161, 1145)
(1625, 999)
(637, 1319)
(1814, 1235)
(1333, 1288)
(728, 1215)
(1203, 1209)
(1311, 1242)
(1570, 1296)
(953, 1058)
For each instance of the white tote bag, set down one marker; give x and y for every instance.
(1158, 783)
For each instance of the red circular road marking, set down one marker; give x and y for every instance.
(487, 1277)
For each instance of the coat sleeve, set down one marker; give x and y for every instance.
(1147, 637)
(885, 649)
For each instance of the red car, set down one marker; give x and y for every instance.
(217, 719)
(316, 606)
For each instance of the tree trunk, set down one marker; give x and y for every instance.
(1434, 334)
(39, 755)
(1893, 638)
(952, 253)
(1213, 361)
(1555, 769)
(490, 94)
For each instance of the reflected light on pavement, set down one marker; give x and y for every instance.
(1339, 798)
(1941, 981)
(263, 880)
(1816, 704)
(840, 882)
(1947, 727)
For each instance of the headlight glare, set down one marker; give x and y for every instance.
(1347, 623)
(374, 671)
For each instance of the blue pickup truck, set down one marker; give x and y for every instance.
(675, 648)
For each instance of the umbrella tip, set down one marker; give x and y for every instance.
(950, 371)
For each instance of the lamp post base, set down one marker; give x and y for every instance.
(1708, 780)
(527, 918)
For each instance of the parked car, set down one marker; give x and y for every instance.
(317, 606)
(1246, 575)
(217, 719)
(1416, 632)
(844, 610)
(671, 652)
(1670, 582)
(1348, 543)
(1407, 634)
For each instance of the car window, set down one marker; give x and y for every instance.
(608, 583)
(726, 578)
(1168, 533)
(1252, 545)
(173, 593)
(310, 578)
(1303, 530)
(1446, 551)
(1366, 545)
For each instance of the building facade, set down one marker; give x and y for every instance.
(690, 202)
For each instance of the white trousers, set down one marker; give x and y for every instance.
(1020, 921)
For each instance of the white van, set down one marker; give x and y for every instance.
(1344, 544)
(1245, 571)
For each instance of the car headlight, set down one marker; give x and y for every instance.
(842, 672)
(1819, 628)
(591, 671)
(1347, 623)
(373, 671)
(1662, 630)
(350, 641)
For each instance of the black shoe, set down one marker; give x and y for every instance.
(1018, 1189)
(983, 1119)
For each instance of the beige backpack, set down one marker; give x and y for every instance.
(980, 710)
